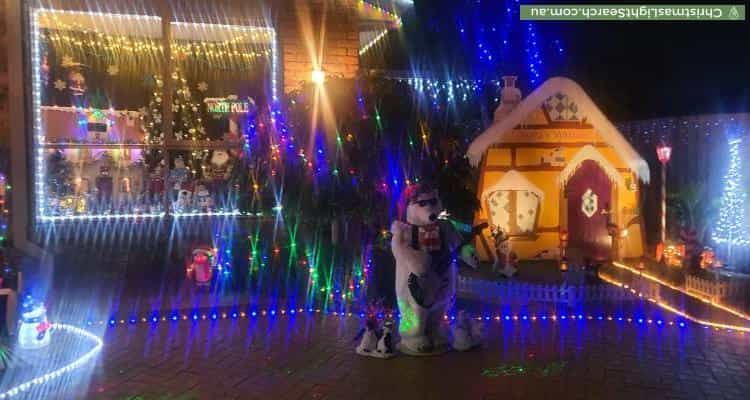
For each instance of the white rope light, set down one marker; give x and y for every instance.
(98, 344)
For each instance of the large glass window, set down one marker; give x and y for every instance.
(121, 131)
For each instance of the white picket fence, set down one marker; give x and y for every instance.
(714, 290)
(517, 292)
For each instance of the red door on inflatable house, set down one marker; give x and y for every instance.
(589, 193)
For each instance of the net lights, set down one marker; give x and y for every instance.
(80, 361)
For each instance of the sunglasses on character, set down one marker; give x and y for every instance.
(424, 203)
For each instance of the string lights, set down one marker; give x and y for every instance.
(450, 90)
(112, 44)
(77, 363)
(731, 228)
(373, 41)
(681, 290)
(254, 313)
(376, 10)
(665, 306)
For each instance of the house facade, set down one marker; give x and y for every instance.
(551, 165)
(102, 88)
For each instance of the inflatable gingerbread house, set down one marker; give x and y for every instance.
(553, 167)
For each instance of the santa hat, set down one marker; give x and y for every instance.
(411, 193)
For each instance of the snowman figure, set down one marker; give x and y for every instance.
(505, 258)
(34, 331)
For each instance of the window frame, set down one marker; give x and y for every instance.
(39, 145)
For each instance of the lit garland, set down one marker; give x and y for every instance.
(731, 228)
(80, 361)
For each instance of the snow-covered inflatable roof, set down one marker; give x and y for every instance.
(513, 180)
(535, 100)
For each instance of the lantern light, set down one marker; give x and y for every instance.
(664, 152)
(563, 264)
(318, 76)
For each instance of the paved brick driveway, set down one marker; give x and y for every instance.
(311, 357)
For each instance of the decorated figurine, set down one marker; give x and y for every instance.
(386, 344)
(178, 176)
(156, 184)
(75, 81)
(708, 258)
(505, 258)
(201, 265)
(369, 342)
(183, 201)
(221, 168)
(467, 334)
(97, 126)
(33, 332)
(424, 249)
(104, 188)
(219, 173)
(203, 200)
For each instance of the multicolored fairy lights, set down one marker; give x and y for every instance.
(77, 363)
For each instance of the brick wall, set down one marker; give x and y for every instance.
(340, 53)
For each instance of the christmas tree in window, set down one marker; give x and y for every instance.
(187, 125)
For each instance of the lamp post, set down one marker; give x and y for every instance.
(664, 152)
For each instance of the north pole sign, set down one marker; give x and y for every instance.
(229, 106)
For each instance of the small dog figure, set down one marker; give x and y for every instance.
(385, 343)
(369, 343)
